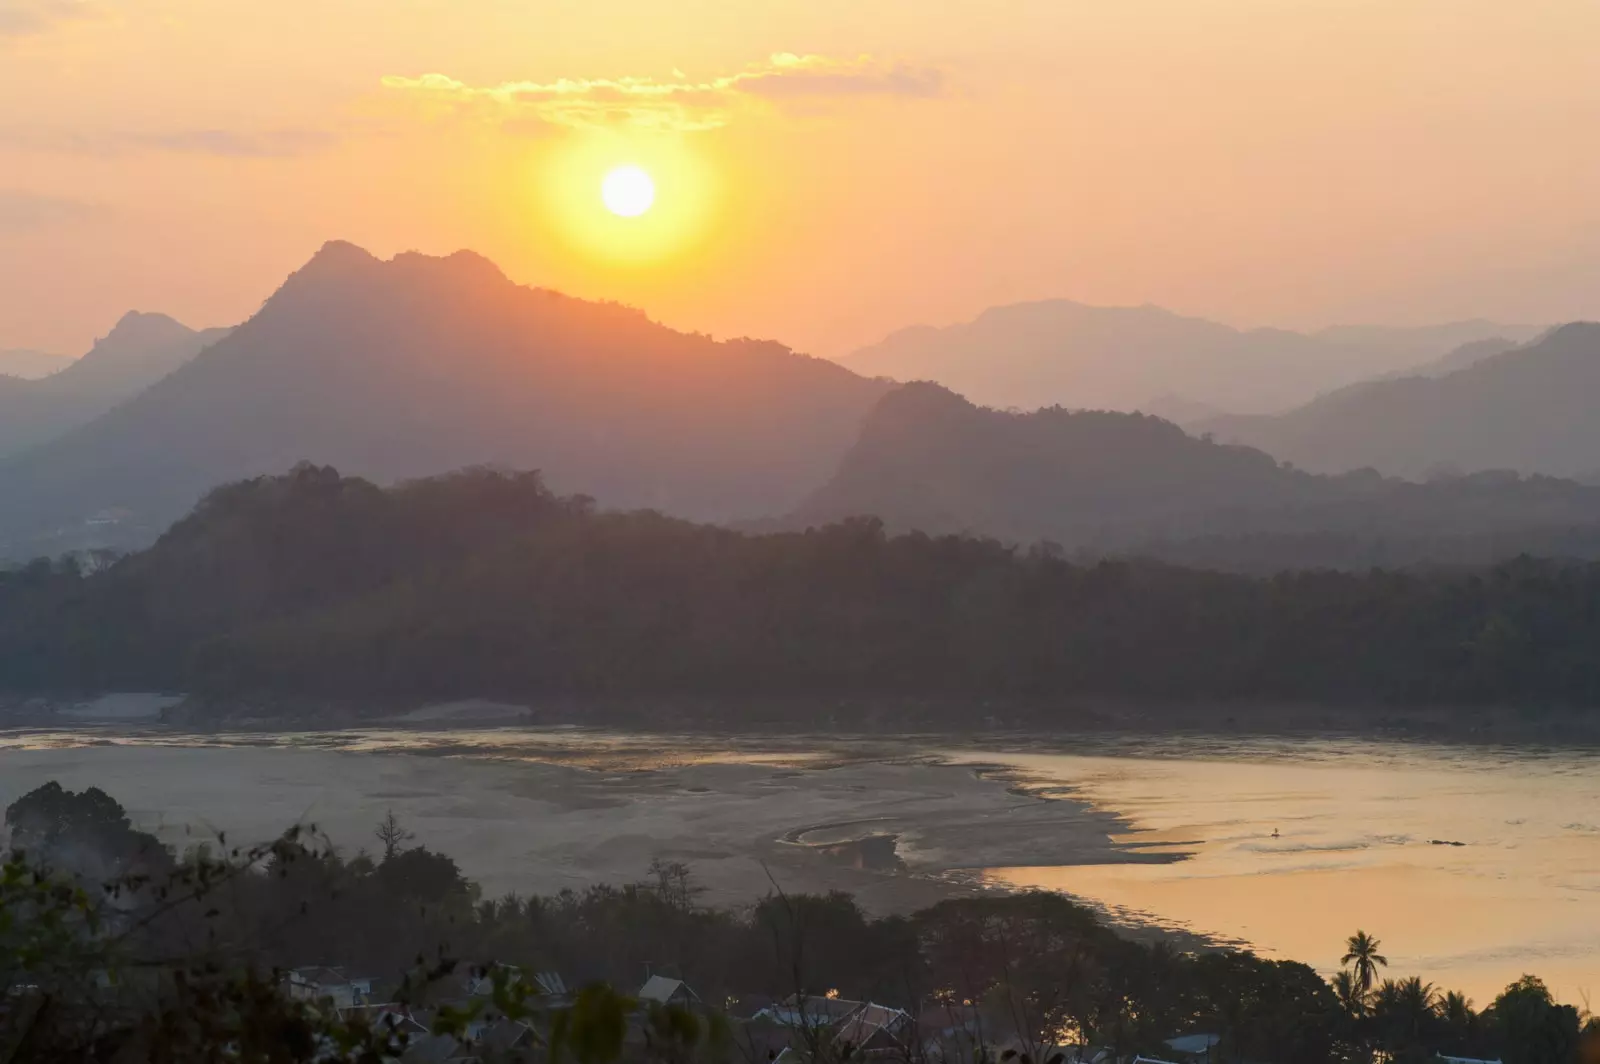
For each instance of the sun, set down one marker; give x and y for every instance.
(628, 191)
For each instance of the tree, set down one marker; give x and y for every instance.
(1352, 999)
(85, 832)
(422, 875)
(1361, 952)
(1530, 1028)
(1458, 1021)
(392, 835)
(1403, 1011)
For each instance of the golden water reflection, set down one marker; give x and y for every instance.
(1365, 842)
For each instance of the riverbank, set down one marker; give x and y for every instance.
(779, 717)
(560, 812)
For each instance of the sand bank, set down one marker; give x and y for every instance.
(898, 834)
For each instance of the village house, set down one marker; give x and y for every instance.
(660, 990)
(335, 985)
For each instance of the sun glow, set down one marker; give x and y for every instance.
(657, 199)
(628, 191)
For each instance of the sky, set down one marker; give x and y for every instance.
(827, 170)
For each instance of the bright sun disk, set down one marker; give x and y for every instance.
(628, 191)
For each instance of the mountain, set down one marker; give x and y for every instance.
(1468, 354)
(929, 460)
(140, 350)
(30, 365)
(1529, 409)
(420, 365)
(1059, 352)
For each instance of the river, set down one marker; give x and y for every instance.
(1473, 865)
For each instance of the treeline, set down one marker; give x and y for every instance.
(485, 584)
(1032, 972)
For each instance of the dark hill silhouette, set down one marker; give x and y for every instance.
(420, 365)
(929, 460)
(1058, 352)
(140, 350)
(312, 591)
(1529, 409)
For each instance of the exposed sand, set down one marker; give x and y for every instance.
(895, 833)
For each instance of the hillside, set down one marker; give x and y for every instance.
(28, 364)
(1058, 352)
(140, 350)
(317, 586)
(1529, 409)
(420, 365)
(929, 460)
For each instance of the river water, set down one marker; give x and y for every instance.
(1473, 865)
(1292, 845)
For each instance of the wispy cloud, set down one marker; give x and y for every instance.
(20, 211)
(23, 18)
(243, 144)
(677, 104)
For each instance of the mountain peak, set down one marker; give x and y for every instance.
(143, 327)
(340, 255)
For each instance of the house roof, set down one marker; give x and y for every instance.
(871, 1020)
(1193, 1043)
(398, 1017)
(810, 1009)
(431, 1049)
(660, 989)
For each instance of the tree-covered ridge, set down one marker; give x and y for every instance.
(487, 584)
(928, 460)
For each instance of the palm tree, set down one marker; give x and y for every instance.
(1456, 1009)
(1455, 1012)
(1361, 952)
(1351, 998)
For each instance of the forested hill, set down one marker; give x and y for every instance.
(486, 584)
(929, 460)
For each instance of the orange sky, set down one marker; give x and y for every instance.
(831, 169)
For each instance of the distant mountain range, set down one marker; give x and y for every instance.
(929, 460)
(416, 366)
(140, 350)
(1530, 408)
(1069, 354)
(421, 365)
(30, 365)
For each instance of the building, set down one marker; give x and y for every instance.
(335, 985)
(660, 990)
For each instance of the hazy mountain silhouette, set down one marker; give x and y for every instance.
(1468, 354)
(27, 364)
(140, 350)
(1528, 409)
(421, 365)
(1059, 352)
(928, 459)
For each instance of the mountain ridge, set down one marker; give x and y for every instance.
(140, 349)
(1109, 482)
(1062, 352)
(421, 364)
(1526, 408)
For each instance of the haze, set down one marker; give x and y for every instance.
(1290, 162)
